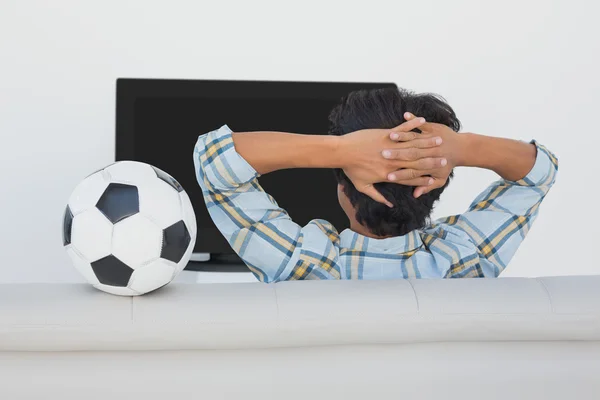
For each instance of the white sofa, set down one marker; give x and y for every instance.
(514, 338)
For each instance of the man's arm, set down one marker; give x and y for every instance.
(511, 159)
(275, 248)
(358, 153)
(499, 218)
(271, 151)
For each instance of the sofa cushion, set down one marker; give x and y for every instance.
(56, 317)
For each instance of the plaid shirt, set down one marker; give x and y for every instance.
(478, 243)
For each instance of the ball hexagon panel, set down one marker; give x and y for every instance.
(185, 259)
(152, 276)
(160, 202)
(132, 172)
(91, 234)
(119, 201)
(168, 179)
(175, 242)
(112, 271)
(117, 290)
(189, 216)
(83, 266)
(136, 241)
(67, 224)
(87, 193)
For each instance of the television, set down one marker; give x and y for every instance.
(158, 122)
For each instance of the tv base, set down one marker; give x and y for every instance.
(200, 257)
(206, 262)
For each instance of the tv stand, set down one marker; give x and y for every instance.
(217, 263)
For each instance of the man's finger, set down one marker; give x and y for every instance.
(375, 195)
(427, 127)
(411, 153)
(422, 142)
(421, 190)
(400, 136)
(409, 125)
(408, 136)
(422, 181)
(427, 164)
(406, 174)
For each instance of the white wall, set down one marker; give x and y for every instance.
(522, 69)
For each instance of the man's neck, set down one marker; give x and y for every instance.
(362, 230)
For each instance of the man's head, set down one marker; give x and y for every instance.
(384, 109)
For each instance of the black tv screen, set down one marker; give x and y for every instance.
(159, 121)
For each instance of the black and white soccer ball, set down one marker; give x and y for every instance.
(129, 228)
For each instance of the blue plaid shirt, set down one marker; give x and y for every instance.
(478, 243)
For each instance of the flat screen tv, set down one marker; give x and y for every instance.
(159, 120)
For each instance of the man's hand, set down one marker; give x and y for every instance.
(370, 156)
(451, 151)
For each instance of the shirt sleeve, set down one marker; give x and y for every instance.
(259, 231)
(496, 223)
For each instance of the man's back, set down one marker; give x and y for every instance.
(477, 243)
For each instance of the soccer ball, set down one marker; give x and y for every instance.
(129, 228)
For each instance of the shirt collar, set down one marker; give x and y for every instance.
(394, 245)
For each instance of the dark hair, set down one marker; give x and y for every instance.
(384, 109)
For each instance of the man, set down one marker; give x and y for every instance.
(393, 152)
